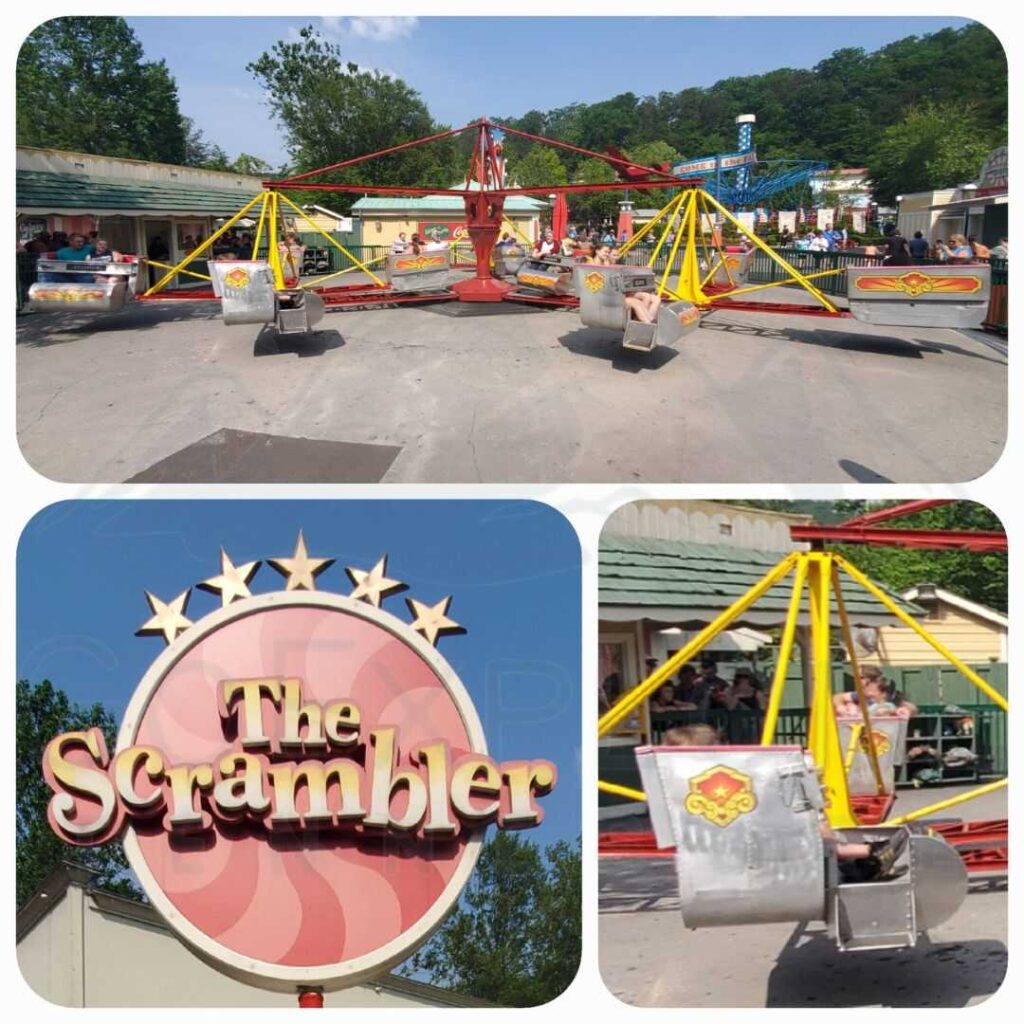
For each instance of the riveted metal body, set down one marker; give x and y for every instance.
(731, 269)
(890, 734)
(246, 290)
(931, 296)
(745, 822)
(553, 276)
(72, 286)
(508, 259)
(929, 886)
(298, 311)
(602, 292)
(422, 272)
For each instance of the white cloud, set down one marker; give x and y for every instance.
(378, 30)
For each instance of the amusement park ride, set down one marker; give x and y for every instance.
(747, 822)
(708, 275)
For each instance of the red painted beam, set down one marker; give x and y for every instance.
(373, 156)
(933, 540)
(906, 508)
(408, 190)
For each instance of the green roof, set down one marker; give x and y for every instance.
(46, 190)
(381, 204)
(654, 576)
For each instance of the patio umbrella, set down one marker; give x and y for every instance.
(559, 216)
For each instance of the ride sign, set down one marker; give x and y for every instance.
(301, 780)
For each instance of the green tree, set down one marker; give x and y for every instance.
(83, 84)
(332, 110)
(540, 166)
(43, 711)
(246, 163)
(594, 207)
(515, 939)
(933, 146)
(199, 152)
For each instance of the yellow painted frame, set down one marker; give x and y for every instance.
(821, 573)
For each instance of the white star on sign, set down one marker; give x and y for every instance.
(373, 586)
(300, 569)
(431, 620)
(168, 619)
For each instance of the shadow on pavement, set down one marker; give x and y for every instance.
(315, 343)
(810, 971)
(605, 345)
(874, 344)
(43, 329)
(860, 473)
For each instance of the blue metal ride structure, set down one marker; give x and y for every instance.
(739, 180)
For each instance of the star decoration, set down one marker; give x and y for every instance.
(233, 581)
(373, 586)
(300, 569)
(168, 619)
(432, 620)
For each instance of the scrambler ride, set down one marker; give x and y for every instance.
(710, 277)
(747, 822)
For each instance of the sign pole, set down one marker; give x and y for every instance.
(311, 998)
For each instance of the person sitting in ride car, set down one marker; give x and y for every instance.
(104, 254)
(547, 246)
(880, 693)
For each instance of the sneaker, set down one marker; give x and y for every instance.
(886, 853)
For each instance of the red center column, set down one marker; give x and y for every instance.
(484, 215)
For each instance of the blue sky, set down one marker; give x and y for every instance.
(465, 67)
(513, 568)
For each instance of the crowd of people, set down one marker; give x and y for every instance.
(417, 244)
(701, 696)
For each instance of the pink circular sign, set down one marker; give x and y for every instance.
(299, 897)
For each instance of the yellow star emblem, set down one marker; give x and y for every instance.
(233, 581)
(168, 619)
(432, 620)
(373, 586)
(300, 569)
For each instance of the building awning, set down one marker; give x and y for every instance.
(678, 583)
(960, 204)
(39, 193)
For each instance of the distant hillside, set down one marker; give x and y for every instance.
(836, 111)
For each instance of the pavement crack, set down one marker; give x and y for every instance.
(46, 405)
(472, 446)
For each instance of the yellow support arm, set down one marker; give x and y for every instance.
(789, 268)
(337, 245)
(187, 273)
(629, 701)
(771, 717)
(648, 227)
(617, 790)
(196, 253)
(862, 702)
(960, 798)
(855, 574)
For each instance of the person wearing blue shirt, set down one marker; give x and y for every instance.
(918, 246)
(76, 249)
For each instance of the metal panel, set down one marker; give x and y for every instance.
(298, 312)
(551, 276)
(745, 822)
(246, 288)
(425, 272)
(602, 289)
(80, 297)
(890, 735)
(734, 265)
(875, 915)
(930, 296)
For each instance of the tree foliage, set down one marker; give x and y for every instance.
(934, 146)
(540, 166)
(978, 577)
(515, 939)
(332, 110)
(43, 711)
(837, 111)
(82, 84)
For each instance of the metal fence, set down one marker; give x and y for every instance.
(742, 726)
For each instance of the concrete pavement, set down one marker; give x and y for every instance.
(459, 393)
